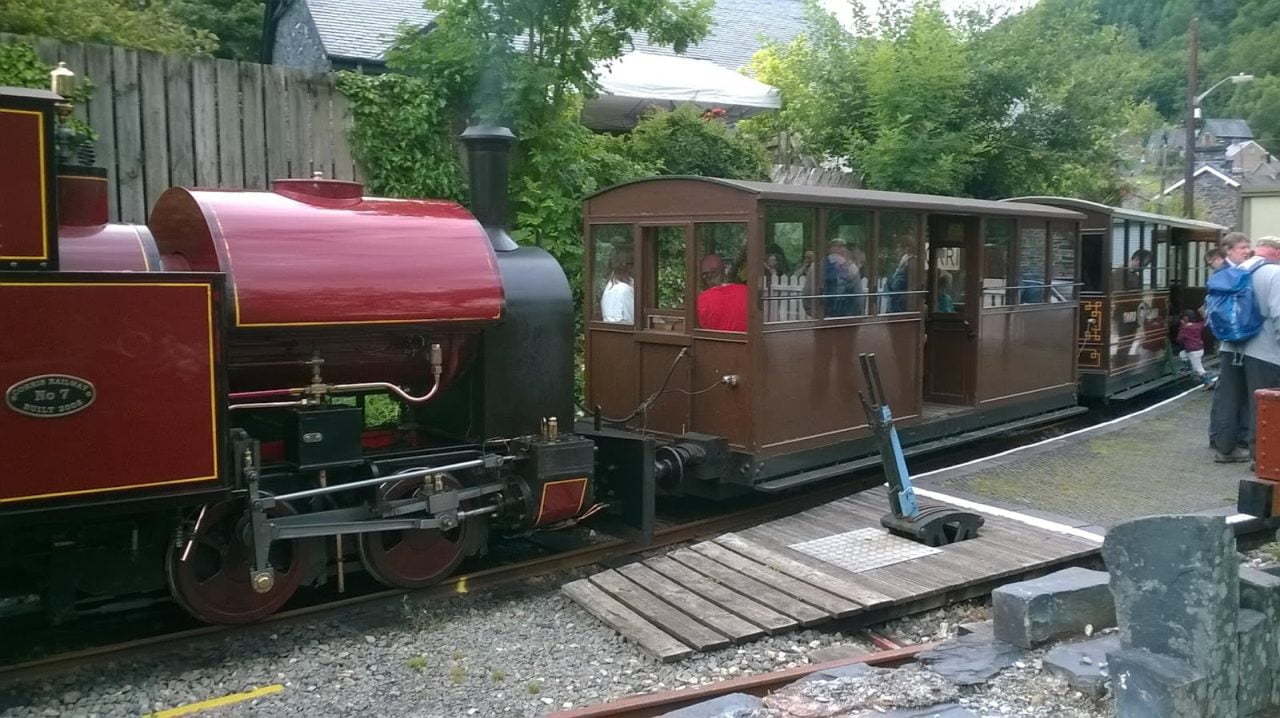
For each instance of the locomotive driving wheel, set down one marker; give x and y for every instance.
(213, 584)
(415, 558)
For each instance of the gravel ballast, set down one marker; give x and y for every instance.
(524, 653)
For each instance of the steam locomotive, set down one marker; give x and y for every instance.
(186, 402)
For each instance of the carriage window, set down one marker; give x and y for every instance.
(1160, 271)
(664, 278)
(612, 273)
(790, 279)
(722, 266)
(997, 241)
(845, 274)
(949, 280)
(898, 269)
(1033, 264)
(1131, 257)
(1062, 265)
(1092, 268)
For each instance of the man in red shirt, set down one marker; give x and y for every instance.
(721, 306)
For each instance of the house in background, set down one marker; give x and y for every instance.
(327, 35)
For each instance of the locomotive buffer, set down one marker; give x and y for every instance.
(930, 525)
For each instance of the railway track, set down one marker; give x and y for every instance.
(516, 572)
(488, 578)
(656, 704)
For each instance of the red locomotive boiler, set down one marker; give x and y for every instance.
(185, 403)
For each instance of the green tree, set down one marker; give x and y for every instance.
(237, 24)
(1036, 102)
(128, 23)
(687, 141)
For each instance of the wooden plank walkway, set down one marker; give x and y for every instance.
(740, 586)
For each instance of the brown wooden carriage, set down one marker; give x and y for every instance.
(737, 309)
(1139, 271)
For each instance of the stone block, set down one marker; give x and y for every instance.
(1260, 591)
(1177, 590)
(727, 706)
(1083, 665)
(1147, 685)
(971, 659)
(1029, 613)
(1257, 650)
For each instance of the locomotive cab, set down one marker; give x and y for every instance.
(734, 311)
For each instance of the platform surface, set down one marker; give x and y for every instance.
(1154, 463)
(832, 562)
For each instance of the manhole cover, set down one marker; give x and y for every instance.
(864, 549)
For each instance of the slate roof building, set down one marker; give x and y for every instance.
(356, 34)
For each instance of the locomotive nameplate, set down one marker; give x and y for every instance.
(50, 396)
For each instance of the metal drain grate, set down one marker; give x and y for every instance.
(864, 549)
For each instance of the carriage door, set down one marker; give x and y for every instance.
(666, 321)
(950, 336)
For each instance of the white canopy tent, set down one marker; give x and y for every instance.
(633, 83)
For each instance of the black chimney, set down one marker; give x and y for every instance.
(488, 163)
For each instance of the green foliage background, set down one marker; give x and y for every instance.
(225, 28)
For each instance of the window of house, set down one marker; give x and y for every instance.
(791, 277)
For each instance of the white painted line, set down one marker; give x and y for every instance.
(1068, 435)
(1039, 523)
(1237, 518)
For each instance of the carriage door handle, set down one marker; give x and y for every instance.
(968, 329)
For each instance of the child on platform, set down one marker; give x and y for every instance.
(1191, 339)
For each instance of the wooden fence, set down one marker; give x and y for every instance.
(166, 120)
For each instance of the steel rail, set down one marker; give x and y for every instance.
(478, 580)
(656, 704)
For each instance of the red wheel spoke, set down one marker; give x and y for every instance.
(213, 584)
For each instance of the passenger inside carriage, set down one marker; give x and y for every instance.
(722, 306)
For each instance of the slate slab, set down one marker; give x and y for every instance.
(1176, 585)
(729, 706)
(851, 670)
(985, 628)
(1147, 685)
(1060, 604)
(942, 710)
(835, 653)
(1083, 665)
(970, 659)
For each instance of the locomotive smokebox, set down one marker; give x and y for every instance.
(488, 170)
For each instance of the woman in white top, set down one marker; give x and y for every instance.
(617, 303)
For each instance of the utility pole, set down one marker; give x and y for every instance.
(1189, 152)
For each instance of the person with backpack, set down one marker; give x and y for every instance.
(1243, 310)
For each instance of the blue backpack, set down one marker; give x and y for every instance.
(1231, 308)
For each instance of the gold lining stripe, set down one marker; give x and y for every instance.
(213, 391)
(108, 488)
(44, 187)
(582, 497)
